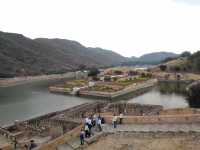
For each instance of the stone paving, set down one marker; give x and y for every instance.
(145, 128)
(152, 128)
(3, 140)
(148, 141)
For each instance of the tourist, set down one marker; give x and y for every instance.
(82, 137)
(15, 142)
(114, 121)
(32, 145)
(87, 133)
(120, 118)
(86, 120)
(90, 125)
(94, 120)
(26, 147)
(99, 124)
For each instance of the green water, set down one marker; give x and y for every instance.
(29, 100)
(169, 95)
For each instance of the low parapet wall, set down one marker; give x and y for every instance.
(61, 140)
(133, 109)
(180, 111)
(157, 119)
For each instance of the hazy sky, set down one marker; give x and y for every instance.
(129, 27)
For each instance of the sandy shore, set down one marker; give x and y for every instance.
(28, 79)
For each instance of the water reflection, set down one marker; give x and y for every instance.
(169, 95)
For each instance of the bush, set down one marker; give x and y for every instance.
(93, 72)
(194, 94)
(163, 67)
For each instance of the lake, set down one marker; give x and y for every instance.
(169, 95)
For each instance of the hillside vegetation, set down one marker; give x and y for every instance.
(189, 63)
(20, 55)
(150, 58)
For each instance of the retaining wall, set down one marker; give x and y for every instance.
(133, 109)
(52, 145)
(157, 119)
(180, 111)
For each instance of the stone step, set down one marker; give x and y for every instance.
(64, 147)
(75, 143)
(93, 138)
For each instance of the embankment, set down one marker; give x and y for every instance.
(28, 79)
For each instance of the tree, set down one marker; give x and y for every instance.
(82, 67)
(118, 72)
(194, 94)
(163, 67)
(93, 72)
(185, 54)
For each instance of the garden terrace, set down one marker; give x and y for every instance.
(75, 83)
(117, 85)
(110, 90)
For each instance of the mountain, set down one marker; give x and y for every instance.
(153, 58)
(20, 55)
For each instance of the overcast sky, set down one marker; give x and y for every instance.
(129, 27)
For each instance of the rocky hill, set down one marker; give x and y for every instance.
(153, 58)
(20, 55)
(150, 58)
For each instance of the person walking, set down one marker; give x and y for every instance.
(114, 121)
(15, 143)
(99, 124)
(87, 134)
(90, 125)
(32, 145)
(120, 118)
(82, 137)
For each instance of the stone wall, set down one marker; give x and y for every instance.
(180, 111)
(133, 109)
(52, 145)
(157, 119)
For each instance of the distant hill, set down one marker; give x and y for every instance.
(157, 56)
(21, 55)
(153, 58)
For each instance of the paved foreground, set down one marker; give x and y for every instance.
(135, 136)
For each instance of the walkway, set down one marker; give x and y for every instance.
(107, 128)
(3, 140)
(153, 128)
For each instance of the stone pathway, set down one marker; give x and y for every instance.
(3, 140)
(64, 147)
(107, 128)
(153, 128)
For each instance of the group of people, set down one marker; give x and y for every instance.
(91, 123)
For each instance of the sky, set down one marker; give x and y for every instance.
(128, 27)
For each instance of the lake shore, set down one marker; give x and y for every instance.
(23, 80)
